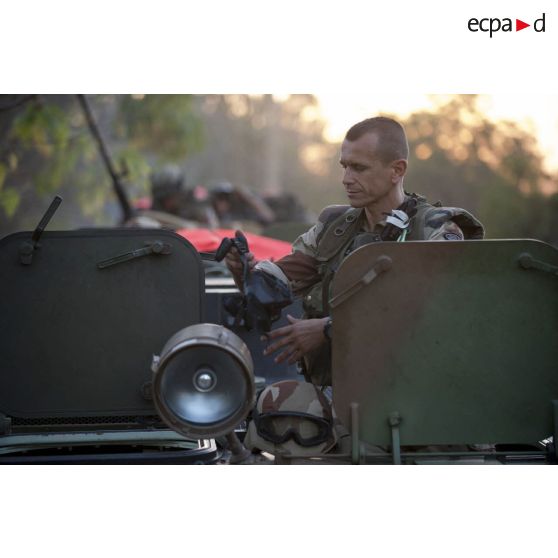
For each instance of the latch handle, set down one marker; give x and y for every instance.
(157, 248)
(526, 261)
(383, 263)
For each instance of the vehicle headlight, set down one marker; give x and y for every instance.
(203, 383)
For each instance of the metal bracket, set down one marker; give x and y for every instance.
(383, 263)
(27, 248)
(5, 425)
(526, 261)
(157, 248)
(355, 435)
(239, 453)
(394, 422)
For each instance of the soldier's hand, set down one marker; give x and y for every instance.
(232, 260)
(296, 339)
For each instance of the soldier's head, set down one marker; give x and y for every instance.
(374, 157)
(167, 188)
(222, 198)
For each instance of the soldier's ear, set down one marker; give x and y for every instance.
(398, 169)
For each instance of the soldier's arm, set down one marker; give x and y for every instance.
(452, 223)
(301, 266)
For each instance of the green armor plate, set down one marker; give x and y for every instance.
(83, 316)
(460, 339)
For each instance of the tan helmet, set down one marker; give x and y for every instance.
(294, 418)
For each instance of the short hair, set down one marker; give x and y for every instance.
(392, 140)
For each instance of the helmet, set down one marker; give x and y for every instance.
(222, 187)
(167, 181)
(292, 417)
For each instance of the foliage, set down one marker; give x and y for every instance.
(46, 148)
(493, 170)
(164, 124)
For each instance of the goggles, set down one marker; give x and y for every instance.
(280, 426)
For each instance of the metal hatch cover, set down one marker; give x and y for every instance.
(459, 338)
(82, 319)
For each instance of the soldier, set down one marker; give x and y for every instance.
(167, 189)
(232, 204)
(170, 195)
(374, 157)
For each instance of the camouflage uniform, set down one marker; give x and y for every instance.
(341, 229)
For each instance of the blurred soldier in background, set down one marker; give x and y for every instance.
(374, 156)
(167, 190)
(235, 204)
(287, 207)
(169, 194)
(173, 205)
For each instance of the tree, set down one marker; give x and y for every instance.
(495, 170)
(46, 148)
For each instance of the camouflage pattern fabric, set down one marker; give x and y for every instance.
(292, 396)
(446, 223)
(433, 223)
(341, 230)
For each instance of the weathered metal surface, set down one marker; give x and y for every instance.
(77, 340)
(457, 337)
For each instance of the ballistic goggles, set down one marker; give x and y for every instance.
(305, 429)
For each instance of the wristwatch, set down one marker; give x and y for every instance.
(327, 329)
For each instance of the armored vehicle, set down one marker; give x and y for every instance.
(95, 308)
(117, 349)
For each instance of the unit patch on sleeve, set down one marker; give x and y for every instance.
(452, 236)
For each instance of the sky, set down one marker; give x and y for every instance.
(535, 112)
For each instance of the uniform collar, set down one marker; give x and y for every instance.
(378, 227)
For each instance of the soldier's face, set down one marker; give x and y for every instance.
(366, 179)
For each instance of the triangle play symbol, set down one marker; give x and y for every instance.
(519, 25)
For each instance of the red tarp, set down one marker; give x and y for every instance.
(263, 248)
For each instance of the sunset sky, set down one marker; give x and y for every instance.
(535, 112)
